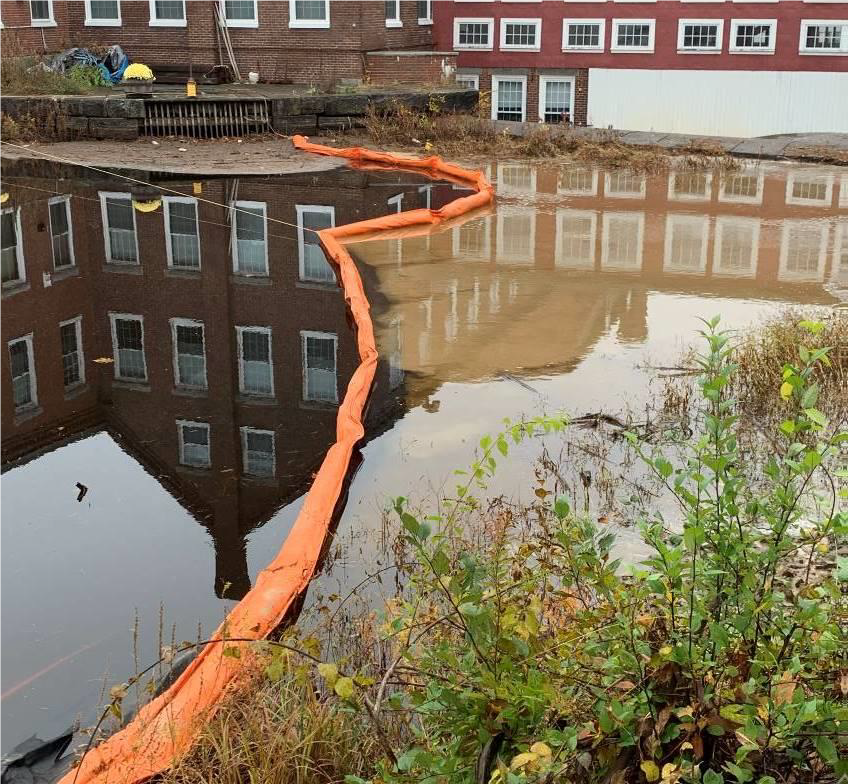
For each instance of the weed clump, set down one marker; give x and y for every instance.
(27, 76)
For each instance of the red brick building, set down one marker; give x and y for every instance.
(208, 337)
(303, 41)
(714, 67)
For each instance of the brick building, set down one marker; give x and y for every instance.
(712, 67)
(211, 342)
(303, 41)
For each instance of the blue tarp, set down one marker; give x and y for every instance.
(112, 66)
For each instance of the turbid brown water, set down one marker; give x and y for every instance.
(195, 460)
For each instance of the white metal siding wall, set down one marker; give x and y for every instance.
(726, 103)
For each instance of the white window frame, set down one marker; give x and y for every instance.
(708, 187)
(593, 188)
(66, 199)
(466, 77)
(652, 28)
(502, 254)
(496, 79)
(245, 431)
(307, 24)
(251, 23)
(700, 223)
(602, 29)
(19, 249)
(723, 222)
(77, 322)
(113, 319)
(733, 198)
(736, 23)
(49, 21)
(235, 206)
(240, 349)
(783, 274)
(181, 423)
(797, 201)
(460, 20)
(156, 22)
(394, 21)
(504, 187)
(559, 258)
(609, 193)
(486, 249)
(301, 244)
(638, 218)
(107, 240)
(427, 20)
(192, 323)
(167, 201)
(33, 403)
(843, 40)
(537, 23)
(90, 22)
(543, 81)
(681, 25)
(304, 334)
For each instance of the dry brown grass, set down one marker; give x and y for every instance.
(463, 135)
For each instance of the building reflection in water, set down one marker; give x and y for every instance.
(202, 327)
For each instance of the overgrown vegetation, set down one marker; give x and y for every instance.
(456, 134)
(26, 76)
(519, 649)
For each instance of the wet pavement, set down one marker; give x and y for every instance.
(183, 362)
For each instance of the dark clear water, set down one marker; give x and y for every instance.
(183, 363)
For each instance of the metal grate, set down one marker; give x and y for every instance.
(206, 119)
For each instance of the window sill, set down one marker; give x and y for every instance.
(699, 51)
(10, 289)
(318, 405)
(62, 273)
(250, 280)
(196, 470)
(804, 53)
(168, 23)
(251, 24)
(44, 23)
(309, 25)
(466, 48)
(317, 285)
(256, 479)
(583, 50)
(180, 272)
(256, 400)
(752, 51)
(394, 23)
(77, 390)
(184, 391)
(425, 22)
(614, 50)
(125, 269)
(103, 23)
(520, 48)
(25, 414)
(136, 386)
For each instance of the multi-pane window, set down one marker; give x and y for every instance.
(686, 243)
(61, 233)
(319, 366)
(128, 347)
(575, 246)
(14, 271)
(189, 343)
(182, 237)
(312, 261)
(241, 13)
(471, 240)
(309, 13)
(622, 240)
(520, 33)
(555, 98)
(583, 34)
(194, 443)
(392, 13)
(633, 35)
(699, 35)
(468, 81)
(120, 231)
(250, 244)
(70, 338)
(692, 186)
(425, 11)
(256, 375)
(578, 181)
(508, 102)
(824, 36)
(515, 240)
(803, 250)
(168, 13)
(809, 190)
(103, 12)
(473, 33)
(41, 13)
(22, 363)
(624, 185)
(258, 452)
(736, 246)
(753, 35)
(743, 187)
